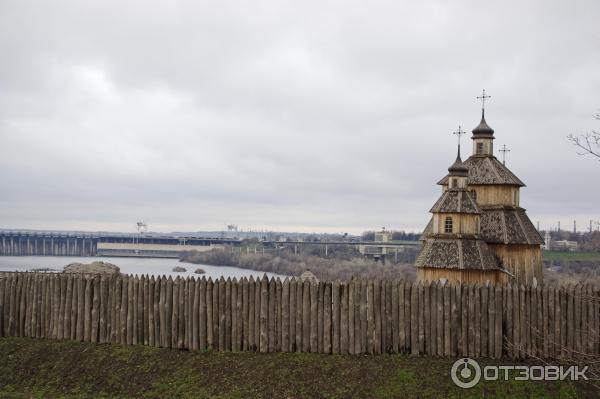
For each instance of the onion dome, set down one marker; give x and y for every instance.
(483, 130)
(458, 168)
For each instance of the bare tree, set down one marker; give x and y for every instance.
(588, 143)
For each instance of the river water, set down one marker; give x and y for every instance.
(150, 266)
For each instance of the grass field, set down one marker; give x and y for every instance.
(559, 255)
(42, 368)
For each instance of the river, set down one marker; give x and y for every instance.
(150, 266)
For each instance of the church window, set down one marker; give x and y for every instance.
(479, 148)
(474, 195)
(454, 183)
(448, 225)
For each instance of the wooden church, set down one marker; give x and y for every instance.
(479, 233)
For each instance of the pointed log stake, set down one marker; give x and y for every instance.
(162, 306)
(299, 309)
(351, 313)
(195, 292)
(215, 313)
(130, 322)
(327, 318)
(264, 308)
(181, 317)
(285, 316)
(95, 308)
(151, 308)
(245, 314)
(228, 320)
(278, 314)
(306, 316)
(292, 316)
(210, 340)
(175, 312)
(202, 317)
(87, 317)
(344, 318)
(221, 313)
(370, 318)
(251, 321)
(335, 297)
(61, 307)
(233, 315)
(271, 317)
(314, 314)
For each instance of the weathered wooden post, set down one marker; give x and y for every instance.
(245, 314)
(314, 315)
(228, 315)
(299, 309)
(292, 316)
(222, 317)
(264, 309)
(169, 305)
(151, 308)
(285, 316)
(351, 314)
(271, 317)
(335, 336)
(203, 316)
(327, 318)
(344, 318)
(95, 308)
(306, 316)
(251, 320)
(370, 301)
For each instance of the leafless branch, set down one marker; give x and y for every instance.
(588, 144)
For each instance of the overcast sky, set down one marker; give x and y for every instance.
(286, 115)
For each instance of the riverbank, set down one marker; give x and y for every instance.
(286, 263)
(45, 368)
(132, 266)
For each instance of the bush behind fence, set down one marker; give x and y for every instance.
(293, 316)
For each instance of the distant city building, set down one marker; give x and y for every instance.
(378, 250)
(383, 235)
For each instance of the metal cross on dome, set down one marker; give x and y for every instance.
(458, 134)
(483, 97)
(504, 150)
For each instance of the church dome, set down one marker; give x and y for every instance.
(458, 168)
(483, 129)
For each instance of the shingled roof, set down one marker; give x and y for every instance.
(428, 230)
(487, 170)
(465, 253)
(455, 201)
(508, 225)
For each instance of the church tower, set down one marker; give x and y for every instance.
(453, 249)
(505, 226)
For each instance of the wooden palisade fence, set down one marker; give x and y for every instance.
(292, 316)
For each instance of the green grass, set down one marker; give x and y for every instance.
(559, 255)
(43, 368)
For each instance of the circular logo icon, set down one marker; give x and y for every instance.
(465, 373)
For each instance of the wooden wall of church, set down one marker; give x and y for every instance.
(523, 261)
(496, 195)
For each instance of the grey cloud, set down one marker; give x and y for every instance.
(297, 115)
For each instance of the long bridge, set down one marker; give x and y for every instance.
(60, 243)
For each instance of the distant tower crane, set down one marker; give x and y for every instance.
(142, 227)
